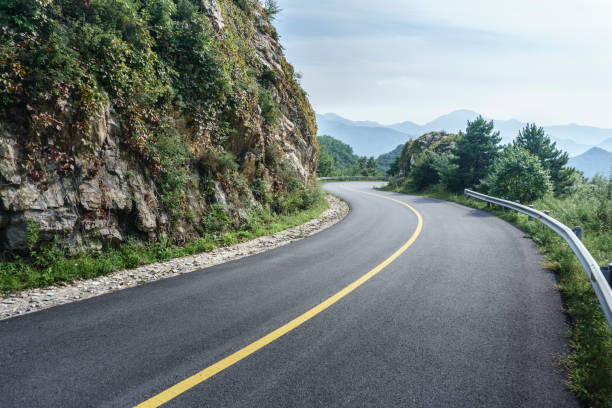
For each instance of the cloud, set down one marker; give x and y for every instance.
(544, 61)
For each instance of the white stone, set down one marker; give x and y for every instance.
(29, 300)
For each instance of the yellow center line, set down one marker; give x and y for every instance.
(228, 361)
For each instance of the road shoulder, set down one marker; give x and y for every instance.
(33, 300)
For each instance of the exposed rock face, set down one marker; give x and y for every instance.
(102, 190)
(437, 142)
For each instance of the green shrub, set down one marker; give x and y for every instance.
(56, 264)
(424, 172)
(215, 161)
(32, 234)
(216, 220)
(271, 9)
(517, 175)
(269, 108)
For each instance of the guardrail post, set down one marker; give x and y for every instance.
(529, 217)
(547, 212)
(578, 232)
(607, 273)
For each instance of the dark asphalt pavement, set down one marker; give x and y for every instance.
(465, 317)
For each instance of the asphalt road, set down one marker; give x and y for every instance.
(465, 317)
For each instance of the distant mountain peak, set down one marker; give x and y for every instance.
(593, 161)
(334, 117)
(573, 138)
(462, 112)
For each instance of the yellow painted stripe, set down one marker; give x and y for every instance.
(221, 365)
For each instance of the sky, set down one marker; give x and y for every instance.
(543, 61)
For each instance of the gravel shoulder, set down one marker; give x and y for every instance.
(33, 300)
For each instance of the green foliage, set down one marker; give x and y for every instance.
(424, 172)
(269, 109)
(326, 165)
(175, 81)
(446, 168)
(475, 152)
(216, 220)
(215, 162)
(517, 175)
(425, 161)
(388, 160)
(338, 159)
(588, 204)
(261, 191)
(174, 159)
(55, 264)
(297, 199)
(152, 61)
(535, 141)
(340, 152)
(32, 234)
(271, 8)
(437, 142)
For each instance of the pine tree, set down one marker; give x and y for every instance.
(326, 164)
(533, 139)
(271, 8)
(475, 152)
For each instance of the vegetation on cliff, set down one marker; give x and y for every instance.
(132, 131)
(124, 119)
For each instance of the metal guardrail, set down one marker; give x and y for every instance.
(598, 280)
(353, 178)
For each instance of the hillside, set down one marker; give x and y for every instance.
(338, 159)
(594, 161)
(153, 120)
(367, 139)
(386, 160)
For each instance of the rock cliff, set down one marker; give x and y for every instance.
(435, 142)
(128, 119)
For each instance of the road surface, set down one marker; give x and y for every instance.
(455, 311)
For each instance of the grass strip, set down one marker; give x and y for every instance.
(55, 265)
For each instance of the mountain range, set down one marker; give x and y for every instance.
(370, 138)
(593, 161)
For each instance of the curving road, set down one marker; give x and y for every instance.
(463, 316)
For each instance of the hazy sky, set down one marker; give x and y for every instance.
(548, 61)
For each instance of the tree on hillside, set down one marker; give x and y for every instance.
(424, 172)
(372, 167)
(533, 139)
(337, 159)
(394, 167)
(325, 167)
(271, 8)
(475, 152)
(341, 152)
(517, 174)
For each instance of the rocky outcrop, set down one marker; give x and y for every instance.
(436, 142)
(92, 173)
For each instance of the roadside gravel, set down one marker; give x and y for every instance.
(33, 300)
